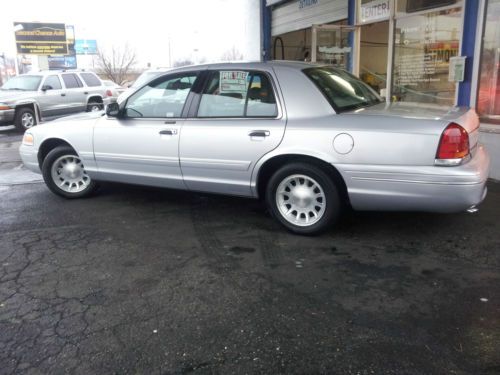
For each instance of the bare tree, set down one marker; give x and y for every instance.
(116, 64)
(232, 54)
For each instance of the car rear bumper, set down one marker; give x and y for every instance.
(418, 188)
(29, 156)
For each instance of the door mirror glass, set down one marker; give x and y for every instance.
(113, 109)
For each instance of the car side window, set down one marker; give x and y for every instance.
(261, 100)
(52, 83)
(91, 79)
(162, 97)
(71, 80)
(236, 93)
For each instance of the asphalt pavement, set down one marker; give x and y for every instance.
(146, 281)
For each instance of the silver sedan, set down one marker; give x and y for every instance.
(309, 140)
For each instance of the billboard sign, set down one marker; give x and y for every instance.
(86, 47)
(36, 38)
(62, 62)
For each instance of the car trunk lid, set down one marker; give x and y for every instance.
(442, 115)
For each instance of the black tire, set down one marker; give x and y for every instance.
(52, 157)
(94, 106)
(329, 192)
(23, 117)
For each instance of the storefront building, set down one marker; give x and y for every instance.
(429, 51)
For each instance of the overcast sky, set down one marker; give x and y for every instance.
(210, 26)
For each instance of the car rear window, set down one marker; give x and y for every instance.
(343, 91)
(90, 79)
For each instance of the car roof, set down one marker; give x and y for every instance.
(299, 65)
(55, 71)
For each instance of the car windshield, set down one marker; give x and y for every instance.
(145, 78)
(23, 83)
(344, 91)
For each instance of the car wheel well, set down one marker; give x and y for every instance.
(95, 99)
(272, 165)
(48, 146)
(28, 105)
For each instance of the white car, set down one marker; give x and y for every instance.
(307, 139)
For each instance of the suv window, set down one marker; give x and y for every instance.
(71, 80)
(53, 83)
(162, 97)
(231, 93)
(91, 79)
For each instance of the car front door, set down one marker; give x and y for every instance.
(236, 120)
(141, 146)
(52, 98)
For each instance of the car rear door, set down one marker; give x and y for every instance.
(142, 146)
(234, 120)
(77, 100)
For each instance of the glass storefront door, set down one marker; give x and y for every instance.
(374, 41)
(488, 102)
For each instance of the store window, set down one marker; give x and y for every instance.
(405, 7)
(488, 103)
(424, 43)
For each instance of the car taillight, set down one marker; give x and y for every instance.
(454, 143)
(109, 93)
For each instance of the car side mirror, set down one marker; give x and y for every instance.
(113, 109)
(46, 87)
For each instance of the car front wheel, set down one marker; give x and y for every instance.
(303, 198)
(65, 175)
(25, 119)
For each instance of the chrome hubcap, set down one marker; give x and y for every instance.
(300, 200)
(95, 108)
(27, 120)
(69, 174)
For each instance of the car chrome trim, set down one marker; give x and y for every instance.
(451, 162)
(234, 165)
(139, 159)
(416, 181)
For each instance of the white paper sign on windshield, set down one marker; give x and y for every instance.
(233, 82)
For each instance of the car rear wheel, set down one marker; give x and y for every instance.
(65, 175)
(94, 107)
(303, 198)
(25, 119)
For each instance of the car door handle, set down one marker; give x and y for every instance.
(63, 94)
(168, 132)
(170, 122)
(85, 92)
(259, 133)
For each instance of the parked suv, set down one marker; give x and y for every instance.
(27, 98)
